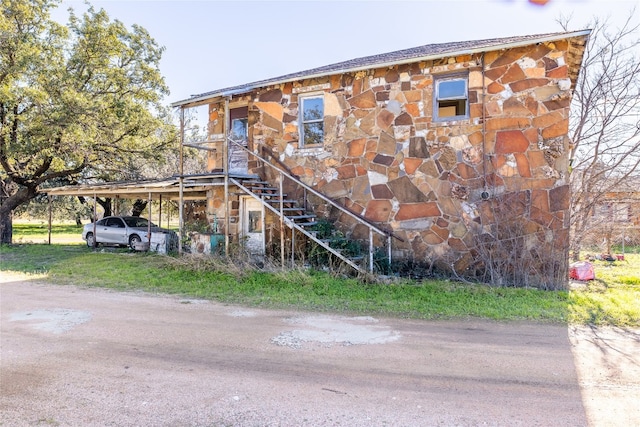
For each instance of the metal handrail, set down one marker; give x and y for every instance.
(320, 195)
(355, 216)
(293, 224)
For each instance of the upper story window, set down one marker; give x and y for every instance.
(311, 120)
(239, 129)
(451, 97)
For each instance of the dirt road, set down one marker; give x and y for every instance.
(86, 357)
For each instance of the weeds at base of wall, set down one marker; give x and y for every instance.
(514, 251)
(510, 263)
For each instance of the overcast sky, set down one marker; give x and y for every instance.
(213, 44)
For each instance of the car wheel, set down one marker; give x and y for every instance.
(90, 240)
(133, 239)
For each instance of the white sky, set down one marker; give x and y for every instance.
(213, 44)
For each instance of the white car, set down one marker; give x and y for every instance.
(120, 230)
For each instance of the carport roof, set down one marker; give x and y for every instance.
(194, 188)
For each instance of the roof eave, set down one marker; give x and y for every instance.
(200, 100)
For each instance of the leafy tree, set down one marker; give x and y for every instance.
(77, 102)
(62, 208)
(605, 125)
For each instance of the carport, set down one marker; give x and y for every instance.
(192, 187)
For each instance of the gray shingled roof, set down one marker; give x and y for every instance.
(429, 51)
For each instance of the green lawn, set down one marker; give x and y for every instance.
(37, 231)
(612, 299)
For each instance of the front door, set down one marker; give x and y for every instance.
(252, 217)
(238, 135)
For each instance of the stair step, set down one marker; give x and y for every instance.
(334, 239)
(307, 224)
(296, 217)
(264, 195)
(286, 201)
(270, 195)
(262, 188)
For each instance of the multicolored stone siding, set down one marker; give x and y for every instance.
(469, 196)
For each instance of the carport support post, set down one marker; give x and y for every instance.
(49, 200)
(282, 258)
(180, 215)
(95, 219)
(149, 222)
(181, 184)
(160, 211)
(225, 162)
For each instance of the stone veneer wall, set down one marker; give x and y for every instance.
(485, 197)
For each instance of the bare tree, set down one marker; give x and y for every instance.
(605, 126)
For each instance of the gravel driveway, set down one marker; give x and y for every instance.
(88, 357)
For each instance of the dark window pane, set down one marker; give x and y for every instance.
(452, 108)
(136, 222)
(313, 133)
(255, 222)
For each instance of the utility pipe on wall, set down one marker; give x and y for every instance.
(485, 194)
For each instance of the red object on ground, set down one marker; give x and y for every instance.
(582, 270)
(620, 257)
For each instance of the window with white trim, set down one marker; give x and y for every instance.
(451, 97)
(311, 120)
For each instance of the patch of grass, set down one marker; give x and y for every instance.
(311, 290)
(606, 301)
(613, 298)
(36, 231)
(37, 259)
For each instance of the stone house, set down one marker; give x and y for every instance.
(441, 158)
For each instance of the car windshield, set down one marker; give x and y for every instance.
(136, 222)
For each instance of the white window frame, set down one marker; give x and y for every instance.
(437, 99)
(302, 122)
